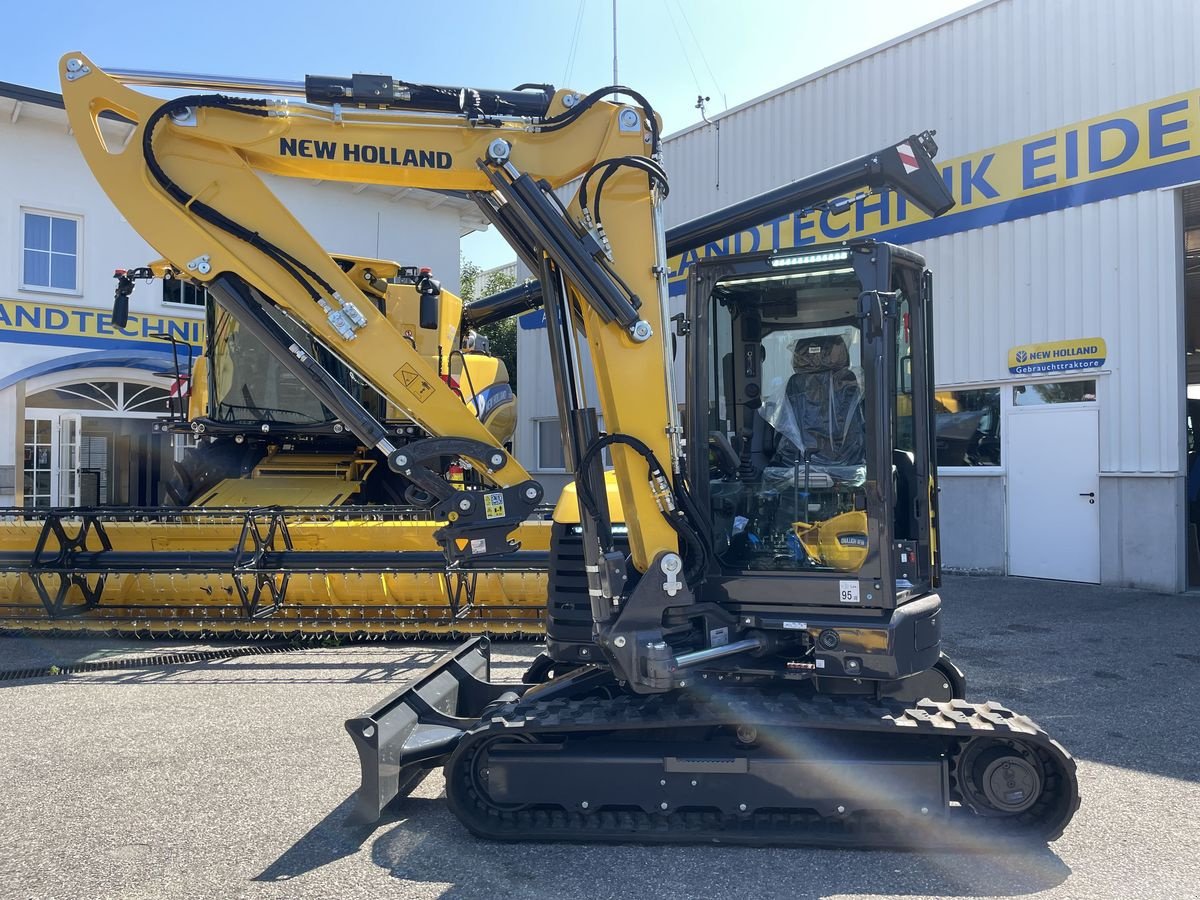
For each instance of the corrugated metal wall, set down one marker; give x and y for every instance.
(1003, 71)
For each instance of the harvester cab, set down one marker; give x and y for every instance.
(242, 404)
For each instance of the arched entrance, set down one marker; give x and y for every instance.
(90, 441)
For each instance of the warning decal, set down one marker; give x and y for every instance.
(415, 382)
(493, 505)
(907, 158)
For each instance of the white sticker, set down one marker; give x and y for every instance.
(718, 637)
(478, 545)
(795, 626)
(848, 591)
(820, 663)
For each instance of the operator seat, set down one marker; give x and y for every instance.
(826, 405)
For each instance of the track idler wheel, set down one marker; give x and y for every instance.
(1000, 778)
(474, 771)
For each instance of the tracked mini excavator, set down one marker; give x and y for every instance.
(758, 658)
(281, 520)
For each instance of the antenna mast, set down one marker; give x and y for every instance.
(614, 17)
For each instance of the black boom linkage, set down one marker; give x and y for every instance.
(906, 167)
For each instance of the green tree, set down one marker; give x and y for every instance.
(502, 336)
(469, 274)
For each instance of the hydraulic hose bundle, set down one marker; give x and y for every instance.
(344, 320)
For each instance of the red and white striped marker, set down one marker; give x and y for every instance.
(907, 157)
(180, 387)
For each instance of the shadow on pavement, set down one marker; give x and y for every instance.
(244, 671)
(326, 842)
(28, 659)
(332, 839)
(429, 847)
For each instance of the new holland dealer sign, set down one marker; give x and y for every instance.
(1057, 356)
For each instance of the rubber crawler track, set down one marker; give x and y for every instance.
(948, 726)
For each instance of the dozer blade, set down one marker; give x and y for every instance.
(416, 728)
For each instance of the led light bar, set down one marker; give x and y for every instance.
(805, 259)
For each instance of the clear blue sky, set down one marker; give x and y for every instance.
(669, 50)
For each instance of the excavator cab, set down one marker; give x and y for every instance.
(809, 386)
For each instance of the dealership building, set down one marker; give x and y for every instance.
(79, 396)
(1066, 278)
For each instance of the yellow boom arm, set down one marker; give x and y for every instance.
(207, 157)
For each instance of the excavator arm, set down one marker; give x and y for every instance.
(189, 180)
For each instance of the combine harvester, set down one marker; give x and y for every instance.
(280, 522)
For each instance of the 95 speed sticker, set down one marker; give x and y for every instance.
(848, 591)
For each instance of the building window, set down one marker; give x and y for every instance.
(50, 252)
(1041, 393)
(183, 293)
(109, 396)
(967, 427)
(183, 444)
(550, 456)
(38, 461)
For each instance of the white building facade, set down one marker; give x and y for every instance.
(78, 396)
(1069, 133)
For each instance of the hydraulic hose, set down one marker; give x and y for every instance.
(652, 168)
(246, 106)
(554, 123)
(679, 518)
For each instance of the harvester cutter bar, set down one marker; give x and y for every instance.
(74, 548)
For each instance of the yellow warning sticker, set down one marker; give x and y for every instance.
(416, 383)
(493, 506)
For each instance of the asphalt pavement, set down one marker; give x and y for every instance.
(232, 777)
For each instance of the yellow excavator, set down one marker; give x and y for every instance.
(716, 669)
(294, 522)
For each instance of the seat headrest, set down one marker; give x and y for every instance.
(824, 353)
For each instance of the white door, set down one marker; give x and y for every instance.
(1053, 467)
(68, 460)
